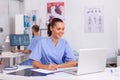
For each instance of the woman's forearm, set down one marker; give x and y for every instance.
(53, 66)
(67, 64)
(26, 51)
(38, 65)
(42, 66)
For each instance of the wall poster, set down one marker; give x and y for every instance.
(55, 10)
(94, 20)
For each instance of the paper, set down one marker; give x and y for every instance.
(46, 71)
(50, 72)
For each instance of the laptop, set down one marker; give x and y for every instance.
(90, 61)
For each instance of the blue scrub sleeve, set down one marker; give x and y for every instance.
(36, 53)
(68, 55)
(32, 45)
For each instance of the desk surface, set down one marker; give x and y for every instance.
(106, 75)
(10, 55)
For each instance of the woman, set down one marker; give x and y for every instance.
(53, 52)
(33, 43)
(34, 40)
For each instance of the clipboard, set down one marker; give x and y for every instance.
(27, 72)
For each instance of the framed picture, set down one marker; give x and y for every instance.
(55, 10)
(94, 20)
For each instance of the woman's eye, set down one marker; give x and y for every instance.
(58, 29)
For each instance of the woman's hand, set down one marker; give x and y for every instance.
(52, 67)
(37, 64)
(17, 50)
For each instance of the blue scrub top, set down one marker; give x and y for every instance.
(31, 46)
(33, 42)
(45, 52)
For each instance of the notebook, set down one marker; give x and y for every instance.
(90, 61)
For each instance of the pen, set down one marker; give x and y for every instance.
(111, 71)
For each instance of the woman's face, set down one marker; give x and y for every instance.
(57, 30)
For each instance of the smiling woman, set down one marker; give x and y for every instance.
(56, 28)
(53, 52)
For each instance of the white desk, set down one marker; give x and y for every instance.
(106, 75)
(12, 56)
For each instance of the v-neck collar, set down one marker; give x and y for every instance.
(52, 44)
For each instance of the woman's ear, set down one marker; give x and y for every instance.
(51, 28)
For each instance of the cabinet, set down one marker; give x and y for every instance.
(118, 60)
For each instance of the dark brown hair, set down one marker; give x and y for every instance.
(35, 28)
(51, 24)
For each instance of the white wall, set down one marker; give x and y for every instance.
(8, 9)
(14, 8)
(4, 20)
(74, 22)
(118, 34)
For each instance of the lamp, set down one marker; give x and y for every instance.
(7, 40)
(2, 46)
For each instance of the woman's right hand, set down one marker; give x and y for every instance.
(52, 67)
(16, 51)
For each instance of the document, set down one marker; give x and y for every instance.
(51, 72)
(54, 71)
(46, 71)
